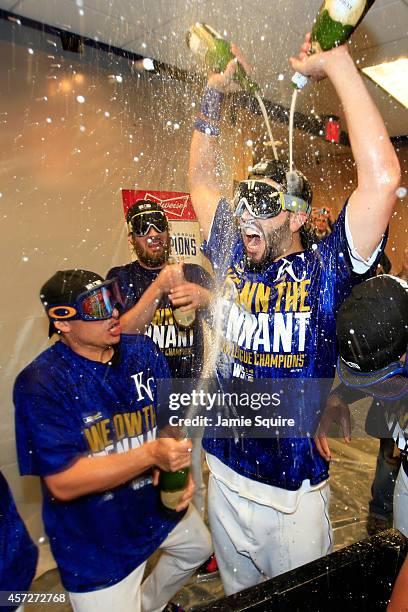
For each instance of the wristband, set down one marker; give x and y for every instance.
(203, 126)
(211, 103)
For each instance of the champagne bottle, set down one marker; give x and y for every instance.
(334, 24)
(172, 485)
(215, 52)
(183, 319)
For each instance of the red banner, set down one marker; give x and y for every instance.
(184, 230)
(177, 205)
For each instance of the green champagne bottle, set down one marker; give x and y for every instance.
(172, 485)
(215, 52)
(186, 319)
(334, 24)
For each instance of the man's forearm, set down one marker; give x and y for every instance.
(97, 474)
(204, 173)
(138, 318)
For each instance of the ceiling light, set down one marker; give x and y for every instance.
(392, 77)
(144, 64)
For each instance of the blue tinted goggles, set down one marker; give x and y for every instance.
(96, 304)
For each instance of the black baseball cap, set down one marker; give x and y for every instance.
(142, 206)
(372, 333)
(64, 287)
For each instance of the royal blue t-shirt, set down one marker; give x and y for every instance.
(67, 407)
(18, 554)
(183, 348)
(279, 324)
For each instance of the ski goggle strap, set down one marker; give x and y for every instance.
(94, 305)
(264, 201)
(141, 223)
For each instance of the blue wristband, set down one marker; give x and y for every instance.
(211, 103)
(203, 126)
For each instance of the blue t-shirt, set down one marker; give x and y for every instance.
(183, 348)
(68, 407)
(279, 323)
(18, 554)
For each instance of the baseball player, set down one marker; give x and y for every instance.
(372, 330)
(268, 498)
(86, 423)
(152, 288)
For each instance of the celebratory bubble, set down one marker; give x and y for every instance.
(176, 126)
(351, 331)
(80, 99)
(41, 540)
(401, 192)
(48, 120)
(31, 51)
(107, 114)
(249, 143)
(281, 77)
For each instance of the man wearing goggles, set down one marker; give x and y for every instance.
(152, 287)
(86, 424)
(279, 298)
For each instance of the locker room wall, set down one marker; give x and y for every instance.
(63, 164)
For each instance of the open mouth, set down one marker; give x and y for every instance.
(114, 328)
(252, 237)
(155, 243)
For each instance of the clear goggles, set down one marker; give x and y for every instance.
(141, 223)
(389, 383)
(96, 304)
(264, 201)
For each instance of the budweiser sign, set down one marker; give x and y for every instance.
(176, 205)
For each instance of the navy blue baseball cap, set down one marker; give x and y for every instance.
(372, 333)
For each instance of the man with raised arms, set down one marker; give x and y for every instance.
(268, 498)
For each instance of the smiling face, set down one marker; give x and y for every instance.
(153, 249)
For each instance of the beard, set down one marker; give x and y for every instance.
(277, 243)
(152, 259)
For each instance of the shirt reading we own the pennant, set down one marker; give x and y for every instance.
(280, 323)
(183, 348)
(68, 407)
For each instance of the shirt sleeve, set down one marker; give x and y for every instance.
(49, 439)
(359, 264)
(339, 265)
(223, 239)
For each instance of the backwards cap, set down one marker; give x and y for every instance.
(63, 288)
(372, 332)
